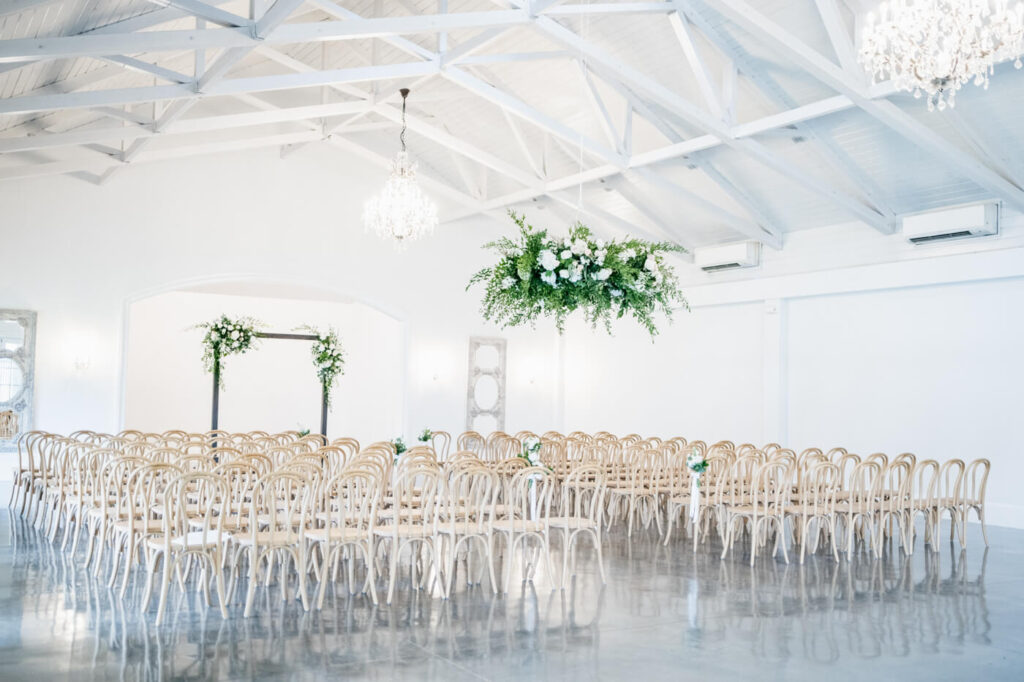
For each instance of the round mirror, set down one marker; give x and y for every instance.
(12, 380)
(487, 357)
(12, 335)
(485, 392)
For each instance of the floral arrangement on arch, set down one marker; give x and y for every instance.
(328, 358)
(538, 276)
(225, 336)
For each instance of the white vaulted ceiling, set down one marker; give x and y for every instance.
(699, 121)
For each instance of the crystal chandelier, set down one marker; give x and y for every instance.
(401, 212)
(933, 47)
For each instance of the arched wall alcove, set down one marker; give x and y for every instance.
(274, 386)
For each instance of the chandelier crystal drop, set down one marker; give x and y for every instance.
(934, 47)
(401, 212)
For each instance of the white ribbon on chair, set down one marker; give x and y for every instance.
(694, 497)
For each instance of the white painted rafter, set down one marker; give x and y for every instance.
(714, 127)
(699, 68)
(202, 10)
(886, 112)
(91, 45)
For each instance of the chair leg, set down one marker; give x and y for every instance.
(165, 588)
(393, 569)
(489, 556)
(600, 559)
(981, 517)
(299, 558)
(567, 540)
(250, 591)
(218, 574)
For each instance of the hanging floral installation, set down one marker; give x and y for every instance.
(328, 358)
(225, 336)
(538, 276)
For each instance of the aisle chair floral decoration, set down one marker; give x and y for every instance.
(225, 336)
(531, 453)
(425, 436)
(539, 276)
(328, 358)
(400, 447)
(698, 464)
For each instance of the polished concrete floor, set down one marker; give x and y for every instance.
(665, 614)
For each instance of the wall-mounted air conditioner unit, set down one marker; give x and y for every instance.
(961, 222)
(727, 256)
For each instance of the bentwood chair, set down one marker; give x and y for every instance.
(463, 523)
(345, 509)
(583, 498)
(410, 524)
(277, 513)
(523, 520)
(193, 537)
(973, 496)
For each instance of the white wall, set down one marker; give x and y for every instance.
(869, 344)
(85, 251)
(274, 387)
(701, 375)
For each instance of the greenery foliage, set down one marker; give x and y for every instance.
(426, 435)
(538, 276)
(225, 337)
(328, 358)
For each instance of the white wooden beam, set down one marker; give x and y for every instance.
(140, 66)
(101, 164)
(459, 145)
(700, 70)
(840, 37)
(598, 108)
(625, 188)
(524, 148)
(888, 113)
(234, 86)
(109, 134)
(714, 126)
(607, 8)
(202, 10)
(769, 231)
(517, 107)
(745, 227)
(756, 72)
(86, 45)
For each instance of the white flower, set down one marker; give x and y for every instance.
(579, 247)
(566, 254)
(603, 274)
(576, 274)
(616, 293)
(563, 273)
(600, 256)
(651, 263)
(508, 282)
(547, 259)
(628, 254)
(600, 243)
(234, 335)
(548, 278)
